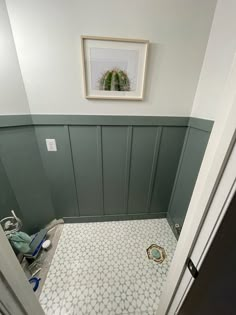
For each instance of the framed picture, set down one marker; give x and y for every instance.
(114, 68)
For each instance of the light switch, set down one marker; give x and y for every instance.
(51, 145)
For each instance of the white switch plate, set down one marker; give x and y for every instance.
(51, 145)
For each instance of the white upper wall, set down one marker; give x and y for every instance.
(13, 98)
(47, 37)
(217, 63)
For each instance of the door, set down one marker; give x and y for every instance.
(17, 296)
(212, 192)
(213, 292)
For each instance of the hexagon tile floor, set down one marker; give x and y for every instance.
(103, 268)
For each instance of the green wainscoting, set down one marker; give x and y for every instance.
(86, 153)
(7, 197)
(145, 142)
(100, 120)
(105, 167)
(115, 168)
(190, 162)
(58, 167)
(116, 148)
(168, 159)
(23, 166)
(15, 120)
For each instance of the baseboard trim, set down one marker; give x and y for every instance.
(121, 217)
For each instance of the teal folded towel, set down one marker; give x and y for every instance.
(20, 241)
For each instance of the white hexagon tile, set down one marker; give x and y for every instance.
(103, 268)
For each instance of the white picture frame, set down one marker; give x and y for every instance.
(114, 68)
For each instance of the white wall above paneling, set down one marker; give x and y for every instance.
(47, 38)
(13, 98)
(217, 63)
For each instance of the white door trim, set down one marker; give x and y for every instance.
(213, 165)
(217, 211)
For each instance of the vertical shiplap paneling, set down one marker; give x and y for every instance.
(87, 167)
(143, 144)
(169, 154)
(127, 166)
(22, 162)
(154, 167)
(59, 169)
(7, 198)
(114, 144)
(100, 167)
(190, 163)
(112, 167)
